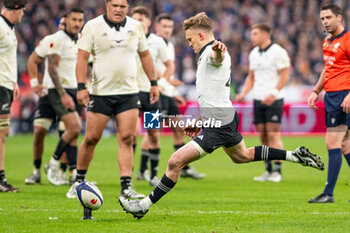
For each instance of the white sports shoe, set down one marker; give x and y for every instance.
(72, 191)
(62, 178)
(52, 173)
(133, 207)
(263, 177)
(306, 158)
(191, 173)
(72, 177)
(33, 179)
(130, 193)
(144, 176)
(275, 177)
(154, 182)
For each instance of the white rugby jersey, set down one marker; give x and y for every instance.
(158, 50)
(65, 46)
(265, 65)
(8, 54)
(114, 50)
(166, 88)
(213, 87)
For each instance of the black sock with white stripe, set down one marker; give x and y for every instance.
(163, 187)
(125, 182)
(80, 175)
(267, 153)
(144, 160)
(154, 157)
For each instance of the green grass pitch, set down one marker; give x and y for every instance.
(227, 200)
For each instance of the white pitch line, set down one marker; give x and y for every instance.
(183, 212)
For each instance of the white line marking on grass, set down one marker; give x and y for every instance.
(58, 210)
(252, 212)
(183, 212)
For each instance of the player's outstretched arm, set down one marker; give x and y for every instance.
(81, 71)
(218, 53)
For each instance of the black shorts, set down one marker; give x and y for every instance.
(212, 138)
(264, 113)
(55, 101)
(6, 98)
(145, 104)
(113, 104)
(168, 106)
(44, 109)
(334, 113)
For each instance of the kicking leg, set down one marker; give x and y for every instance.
(182, 157)
(240, 154)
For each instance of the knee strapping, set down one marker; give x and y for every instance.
(4, 123)
(202, 152)
(61, 126)
(43, 123)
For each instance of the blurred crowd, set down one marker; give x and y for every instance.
(296, 26)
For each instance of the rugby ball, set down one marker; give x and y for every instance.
(89, 195)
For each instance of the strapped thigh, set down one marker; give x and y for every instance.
(4, 123)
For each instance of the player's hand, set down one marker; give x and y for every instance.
(15, 91)
(83, 98)
(312, 100)
(38, 90)
(269, 100)
(175, 82)
(154, 94)
(179, 100)
(239, 97)
(346, 104)
(67, 102)
(218, 47)
(192, 131)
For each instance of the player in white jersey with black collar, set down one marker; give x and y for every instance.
(45, 113)
(114, 40)
(169, 99)
(268, 74)
(213, 90)
(11, 13)
(150, 146)
(61, 61)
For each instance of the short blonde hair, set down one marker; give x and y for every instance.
(199, 21)
(263, 27)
